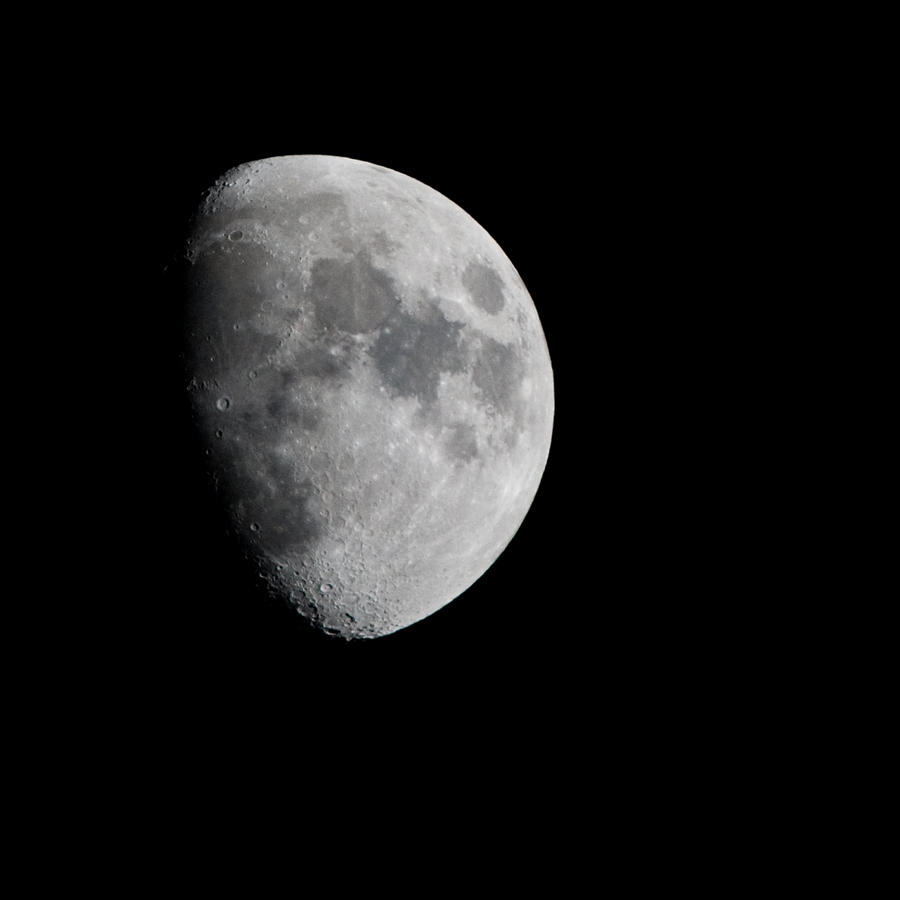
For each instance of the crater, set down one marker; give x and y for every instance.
(484, 286)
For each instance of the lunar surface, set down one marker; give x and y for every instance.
(371, 383)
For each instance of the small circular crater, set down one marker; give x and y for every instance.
(219, 432)
(223, 403)
(236, 235)
(254, 526)
(251, 374)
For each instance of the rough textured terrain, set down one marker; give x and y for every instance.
(372, 382)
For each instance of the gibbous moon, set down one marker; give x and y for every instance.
(371, 383)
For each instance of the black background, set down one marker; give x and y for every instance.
(612, 665)
(607, 663)
(198, 627)
(506, 625)
(578, 616)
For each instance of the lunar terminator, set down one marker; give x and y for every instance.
(371, 381)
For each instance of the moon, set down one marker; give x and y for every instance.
(371, 383)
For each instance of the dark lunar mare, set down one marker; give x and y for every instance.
(411, 352)
(497, 373)
(461, 444)
(352, 296)
(485, 287)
